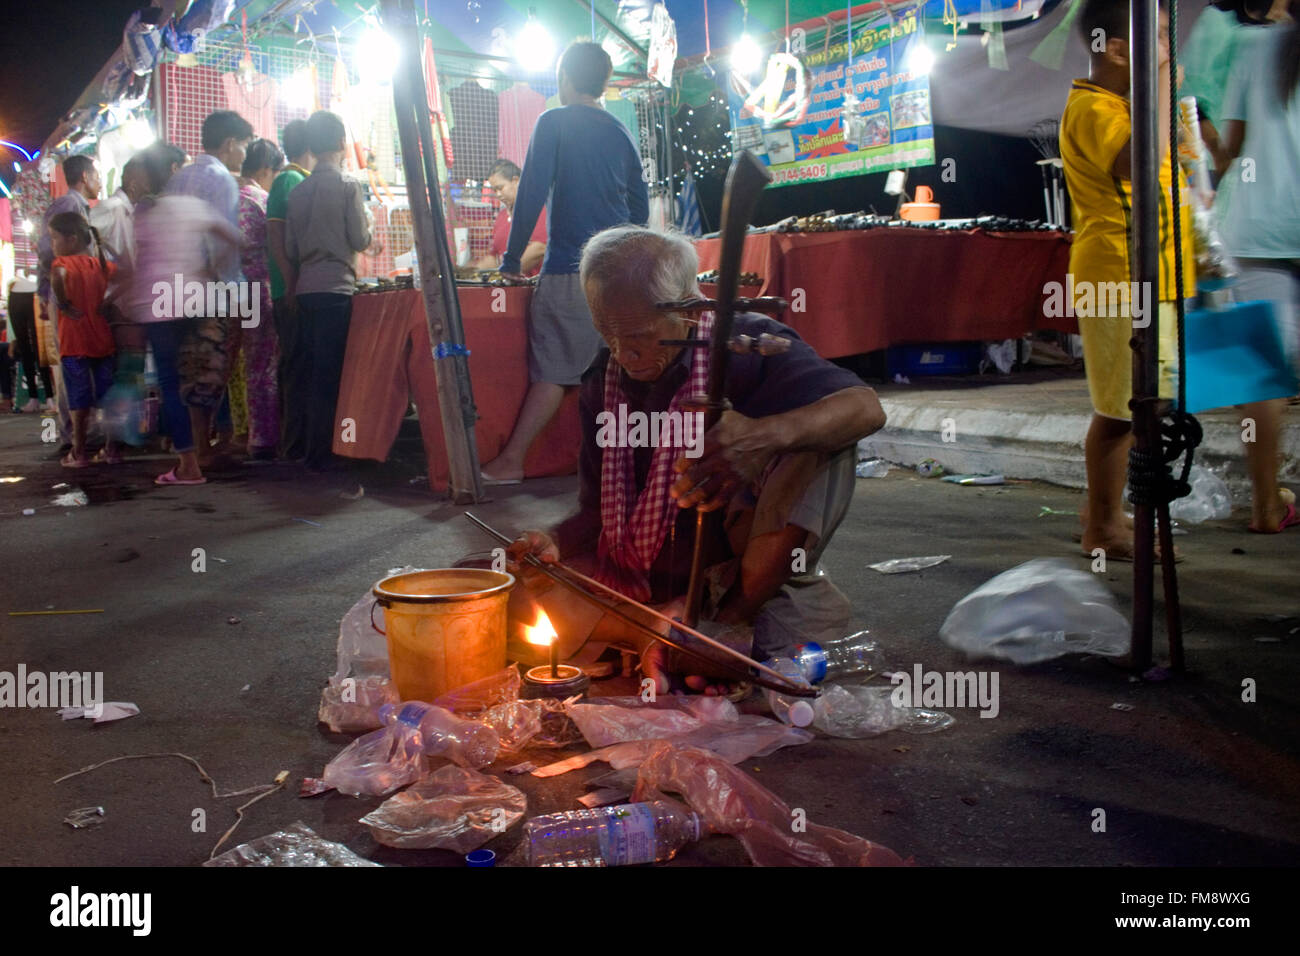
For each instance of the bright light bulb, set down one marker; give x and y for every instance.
(28, 227)
(745, 55)
(376, 55)
(920, 61)
(139, 133)
(17, 168)
(534, 48)
(298, 90)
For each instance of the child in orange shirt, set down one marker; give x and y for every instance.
(85, 338)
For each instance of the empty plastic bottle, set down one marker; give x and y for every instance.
(443, 734)
(854, 657)
(870, 711)
(611, 836)
(796, 711)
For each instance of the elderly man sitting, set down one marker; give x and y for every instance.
(775, 474)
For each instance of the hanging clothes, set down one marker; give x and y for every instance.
(474, 139)
(438, 119)
(518, 110)
(254, 100)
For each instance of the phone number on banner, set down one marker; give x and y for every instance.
(796, 173)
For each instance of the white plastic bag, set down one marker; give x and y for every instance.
(1041, 609)
(611, 720)
(1210, 498)
(352, 704)
(454, 809)
(378, 763)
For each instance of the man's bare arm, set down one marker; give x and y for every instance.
(737, 449)
(275, 241)
(532, 258)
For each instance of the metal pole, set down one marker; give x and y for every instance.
(438, 280)
(1143, 59)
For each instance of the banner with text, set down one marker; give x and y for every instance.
(888, 117)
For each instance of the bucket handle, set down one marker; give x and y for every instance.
(372, 618)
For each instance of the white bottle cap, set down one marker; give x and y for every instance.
(801, 713)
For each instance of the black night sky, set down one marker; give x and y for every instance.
(49, 51)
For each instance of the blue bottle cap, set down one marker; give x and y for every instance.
(481, 858)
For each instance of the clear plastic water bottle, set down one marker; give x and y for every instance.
(854, 657)
(611, 836)
(857, 712)
(796, 711)
(443, 734)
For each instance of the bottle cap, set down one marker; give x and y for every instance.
(801, 713)
(481, 858)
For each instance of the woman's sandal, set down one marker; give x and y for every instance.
(171, 479)
(67, 461)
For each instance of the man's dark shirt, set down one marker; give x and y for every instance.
(757, 386)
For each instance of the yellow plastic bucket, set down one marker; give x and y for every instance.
(446, 628)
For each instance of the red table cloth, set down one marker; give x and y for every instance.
(389, 358)
(863, 290)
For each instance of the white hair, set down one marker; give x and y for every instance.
(661, 265)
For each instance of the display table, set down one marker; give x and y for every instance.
(389, 358)
(868, 289)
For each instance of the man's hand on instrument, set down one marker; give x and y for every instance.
(735, 452)
(539, 544)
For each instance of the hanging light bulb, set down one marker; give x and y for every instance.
(376, 55)
(746, 57)
(920, 59)
(139, 133)
(534, 48)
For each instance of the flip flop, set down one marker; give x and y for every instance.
(491, 482)
(1288, 520)
(67, 461)
(171, 479)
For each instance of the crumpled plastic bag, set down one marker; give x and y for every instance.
(296, 846)
(362, 650)
(494, 701)
(1210, 498)
(378, 763)
(609, 720)
(352, 704)
(453, 809)
(1039, 610)
(749, 735)
(482, 695)
(730, 801)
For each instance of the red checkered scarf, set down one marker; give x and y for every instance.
(631, 536)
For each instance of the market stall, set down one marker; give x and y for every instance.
(862, 290)
(390, 361)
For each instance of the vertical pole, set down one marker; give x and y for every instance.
(438, 280)
(1143, 59)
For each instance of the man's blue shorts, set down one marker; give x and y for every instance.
(85, 380)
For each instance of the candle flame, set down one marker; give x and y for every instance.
(542, 632)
